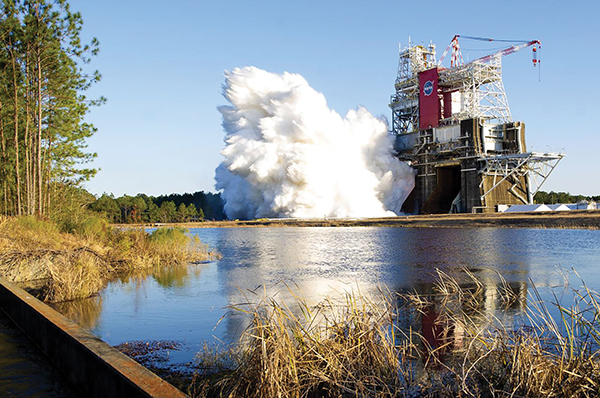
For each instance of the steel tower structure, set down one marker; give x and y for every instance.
(455, 127)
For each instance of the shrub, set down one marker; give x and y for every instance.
(94, 228)
(176, 236)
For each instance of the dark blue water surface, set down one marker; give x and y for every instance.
(186, 305)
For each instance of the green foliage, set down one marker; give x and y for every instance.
(552, 197)
(167, 211)
(193, 213)
(148, 209)
(123, 243)
(69, 208)
(107, 206)
(37, 225)
(152, 213)
(94, 228)
(211, 204)
(181, 213)
(170, 236)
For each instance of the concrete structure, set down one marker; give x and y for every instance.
(454, 126)
(94, 367)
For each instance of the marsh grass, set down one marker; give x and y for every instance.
(76, 265)
(378, 346)
(346, 348)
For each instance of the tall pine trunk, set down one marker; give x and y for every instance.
(16, 125)
(28, 151)
(4, 159)
(39, 135)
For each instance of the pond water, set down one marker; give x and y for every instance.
(187, 304)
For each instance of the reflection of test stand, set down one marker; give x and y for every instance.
(436, 337)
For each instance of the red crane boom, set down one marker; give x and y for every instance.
(457, 56)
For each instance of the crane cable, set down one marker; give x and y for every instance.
(490, 39)
(456, 58)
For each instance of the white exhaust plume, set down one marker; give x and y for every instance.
(288, 155)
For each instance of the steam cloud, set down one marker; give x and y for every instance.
(288, 155)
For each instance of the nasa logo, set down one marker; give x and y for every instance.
(428, 88)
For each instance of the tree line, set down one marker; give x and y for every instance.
(162, 209)
(42, 131)
(550, 198)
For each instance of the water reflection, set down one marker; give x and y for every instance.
(186, 303)
(321, 262)
(175, 276)
(85, 312)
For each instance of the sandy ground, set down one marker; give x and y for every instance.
(581, 219)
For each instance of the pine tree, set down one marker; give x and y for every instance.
(167, 211)
(182, 215)
(192, 212)
(42, 108)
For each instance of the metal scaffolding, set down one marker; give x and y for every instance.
(481, 90)
(478, 83)
(473, 131)
(535, 167)
(405, 102)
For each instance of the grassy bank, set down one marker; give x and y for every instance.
(380, 347)
(66, 265)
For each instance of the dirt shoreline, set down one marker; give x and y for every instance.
(575, 219)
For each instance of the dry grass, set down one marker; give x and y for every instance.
(69, 266)
(379, 347)
(540, 355)
(333, 349)
(164, 246)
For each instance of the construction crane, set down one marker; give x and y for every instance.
(457, 60)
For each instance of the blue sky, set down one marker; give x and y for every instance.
(163, 62)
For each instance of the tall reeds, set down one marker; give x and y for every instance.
(333, 349)
(444, 344)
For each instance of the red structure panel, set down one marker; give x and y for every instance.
(429, 102)
(447, 104)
